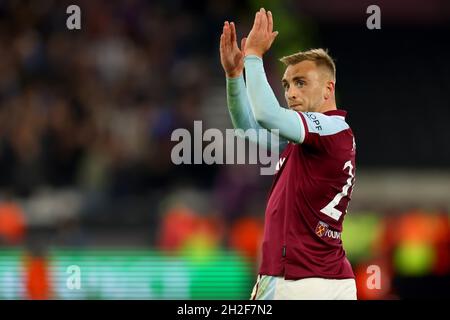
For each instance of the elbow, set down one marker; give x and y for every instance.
(262, 123)
(262, 118)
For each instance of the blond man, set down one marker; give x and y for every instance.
(302, 251)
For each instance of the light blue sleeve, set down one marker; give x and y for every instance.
(238, 104)
(242, 116)
(266, 109)
(323, 125)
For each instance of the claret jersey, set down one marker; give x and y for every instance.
(308, 201)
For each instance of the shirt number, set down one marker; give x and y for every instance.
(330, 209)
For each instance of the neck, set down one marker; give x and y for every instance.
(328, 106)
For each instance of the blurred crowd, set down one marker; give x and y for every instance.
(87, 114)
(94, 108)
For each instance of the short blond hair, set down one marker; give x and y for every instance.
(319, 56)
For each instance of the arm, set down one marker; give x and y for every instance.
(266, 108)
(232, 59)
(268, 113)
(238, 104)
(242, 115)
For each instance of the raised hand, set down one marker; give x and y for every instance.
(262, 35)
(231, 57)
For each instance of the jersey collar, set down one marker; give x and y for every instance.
(341, 113)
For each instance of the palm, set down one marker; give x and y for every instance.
(231, 57)
(262, 35)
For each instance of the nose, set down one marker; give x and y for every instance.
(291, 94)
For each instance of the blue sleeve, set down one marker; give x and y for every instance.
(267, 111)
(238, 104)
(242, 115)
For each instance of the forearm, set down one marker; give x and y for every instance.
(238, 105)
(242, 115)
(266, 109)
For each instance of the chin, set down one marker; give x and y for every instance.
(298, 109)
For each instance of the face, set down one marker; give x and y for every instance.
(307, 87)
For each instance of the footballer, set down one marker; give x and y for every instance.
(302, 252)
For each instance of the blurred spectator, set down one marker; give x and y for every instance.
(37, 274)
(246, 236)
(12, 222)
(94, 109)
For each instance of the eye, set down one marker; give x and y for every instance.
(285, 85)
(299, 83)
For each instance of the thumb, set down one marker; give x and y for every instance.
(274, 35)
(243, 41)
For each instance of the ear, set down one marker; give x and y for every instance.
(329, 89)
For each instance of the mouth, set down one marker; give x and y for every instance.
(292, 106)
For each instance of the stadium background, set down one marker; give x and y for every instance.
(85, 122)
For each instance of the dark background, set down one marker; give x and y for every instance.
(86, 118)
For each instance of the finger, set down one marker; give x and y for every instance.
(264, 22)
(226, 32)
(257, 22)
(226, 28)
(270, 22)
(223, 46)
(222, 41)
(233, 32)
(223, 36)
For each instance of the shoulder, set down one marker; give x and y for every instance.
(327, 130)
(324, 124)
